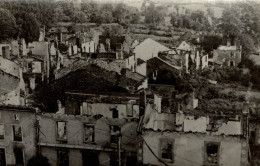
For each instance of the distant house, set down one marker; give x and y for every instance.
(89, 42)
(162, 71)
(184, 56)
(58, 33)
(142, 53)
(227, 55)
(184, 47)
(148, 49)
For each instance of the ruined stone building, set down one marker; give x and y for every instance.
(190, 136)
(226, 55)
(87, 140)
(17, 134)
(12, 86)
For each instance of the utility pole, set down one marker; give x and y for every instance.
(37, 127)
(119, 148)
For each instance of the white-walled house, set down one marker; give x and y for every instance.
(143, 52)
(148, 49)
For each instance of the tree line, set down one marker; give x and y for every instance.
(24, 18)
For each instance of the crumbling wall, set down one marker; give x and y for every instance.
(75, 135)
(189, 148)
(28, 144)
(9, 67)
(105, 109)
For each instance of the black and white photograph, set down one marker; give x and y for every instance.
(129, 82)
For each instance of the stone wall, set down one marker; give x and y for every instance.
(189, 149)
(28, 143)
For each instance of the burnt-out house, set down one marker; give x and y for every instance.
(17, 134)
(161, 71)
(58, 33)
(121, 45)
(226, 55)
(112, 71)
(111, 105)
(87, 140)
(12, 86)
(194, 137)
(93, 76)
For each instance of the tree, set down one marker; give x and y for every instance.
(174, 19)
(59, 15)
(231, 25)
(28, 26)
(113, 30)
(153, 16)
(198, 16)
(120, 12)
(135, 18)
(102, 17)
(210, 42)
(80, 17)
(91, 9)
(7, 25)
(106, 17)
(247, 44)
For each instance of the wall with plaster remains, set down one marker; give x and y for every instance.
(105, 109)
(75, 137)
(28, 143)
(189, 149)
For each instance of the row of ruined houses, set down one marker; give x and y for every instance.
(139, 124)
(127, 129)
(46, 56)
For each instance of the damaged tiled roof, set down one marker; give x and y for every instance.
(163, 90)
(135, 76)
(17, 108)
(169, 63)
(170, 59)
(9, 67)
(103, 97)
(106, 55)
(111, 71)
(128, 79)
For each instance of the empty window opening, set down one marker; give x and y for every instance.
(114, 132)
(89, 133)
(166, 149)
(114, 113)
(2, 136)
(17, 133)
(212, 153)
(232, 63)
(61, 131)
